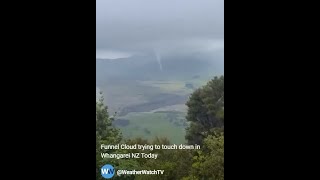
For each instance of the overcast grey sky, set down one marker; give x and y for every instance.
(126, 27)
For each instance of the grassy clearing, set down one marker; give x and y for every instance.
(149, 125)
(177, 107)
(174, 87)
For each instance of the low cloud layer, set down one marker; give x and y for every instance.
(127, 27)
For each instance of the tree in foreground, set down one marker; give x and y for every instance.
(206, 117)
(105, 134)
(208, 163)
(205, 110)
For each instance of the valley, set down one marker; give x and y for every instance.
(147, 101)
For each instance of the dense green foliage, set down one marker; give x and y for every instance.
(105, 133)
(208, 163)
(205, 110)
(206, 117)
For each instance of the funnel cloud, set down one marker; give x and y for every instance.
(158, 57)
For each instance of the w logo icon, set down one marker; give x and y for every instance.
(107, 171)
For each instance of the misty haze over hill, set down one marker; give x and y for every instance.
(146, 67)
